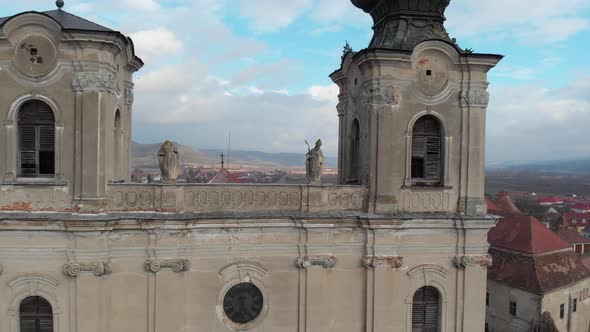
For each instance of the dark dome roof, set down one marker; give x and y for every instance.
(365, 5)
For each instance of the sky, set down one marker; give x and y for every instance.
(259, 69)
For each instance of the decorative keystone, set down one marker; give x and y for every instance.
(327, 262)
(99, 269)
(463, 262)
(176, 265)
(374, 262)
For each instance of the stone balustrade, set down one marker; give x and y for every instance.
(235, 198)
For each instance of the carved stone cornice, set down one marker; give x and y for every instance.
(475, 98)
(176, 265)
(374, 262)
(379, 96)
(96, 81)
(465, 261)
(327, 262)
(99, 269)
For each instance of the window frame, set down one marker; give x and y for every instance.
(575, 305)
(38, 316)
(426, 304)
(562, 311)
(445, 150)
(513, 308)
(38, 131)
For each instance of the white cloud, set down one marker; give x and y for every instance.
(147, 5)
(534, 122)
(156, 43)
(531, 21)
(272, 15)
(327, 93)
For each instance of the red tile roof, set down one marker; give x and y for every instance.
(537, 273)
(491, 205)
(580, 219)
(524, 234)
(552, 200)
(572, 237)
(504, 202)
(224, 176)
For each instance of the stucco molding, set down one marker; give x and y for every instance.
(28, 285)
(176, 265)
(327, 262)
(99, 269)
(424, 276)
(234, 274)
(375, 96)
(475, 98)
(465, 261)
(374, 262)
(96, 82)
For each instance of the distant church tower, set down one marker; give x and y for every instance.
(412, 113)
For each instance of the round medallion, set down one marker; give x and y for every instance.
(35, 56)
(243, 303)
(431, 75)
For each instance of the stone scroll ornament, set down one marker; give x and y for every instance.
(463, 262)
(374, 262)
(314, 163)
(169, 161)
(99, 269)
(327, 262)
(176, 265)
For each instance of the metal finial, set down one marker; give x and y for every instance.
(59, 4)
(222, 160)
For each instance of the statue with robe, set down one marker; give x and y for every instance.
(169, 161)
(314, 163)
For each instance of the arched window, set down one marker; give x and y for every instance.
(427, 151)
(36, 315)
(36, 128)
(117, 146)
(426, 310)
(355, 146)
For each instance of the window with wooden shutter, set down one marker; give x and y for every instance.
(355, 147)
(36, 127)
(426, 310)
(426, 160)
(36, 315)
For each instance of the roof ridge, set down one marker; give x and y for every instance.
(78, 17)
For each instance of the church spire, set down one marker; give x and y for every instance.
(402, 24)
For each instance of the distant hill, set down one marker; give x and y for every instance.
(266, 158)
(145, 156)
(567, 166)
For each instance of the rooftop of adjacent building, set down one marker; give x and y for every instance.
(528, 255)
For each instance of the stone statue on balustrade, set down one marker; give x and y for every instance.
(314, 163)
(169, 161)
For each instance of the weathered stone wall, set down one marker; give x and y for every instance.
(317, 273)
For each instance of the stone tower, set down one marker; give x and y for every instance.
(68, 84)
(412, 112)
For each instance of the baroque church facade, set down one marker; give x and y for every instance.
(398, 245)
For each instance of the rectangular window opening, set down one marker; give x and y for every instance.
(428, 72)
(513, 308)
(487, 299)
(575, 305)
(562, 311)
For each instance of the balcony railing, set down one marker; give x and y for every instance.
(235, 198)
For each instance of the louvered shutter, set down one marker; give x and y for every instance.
(28, 149)
(426, 310)
(36, 315)
(426, 149)
(36, 138)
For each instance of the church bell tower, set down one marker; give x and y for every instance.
(412, 110)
